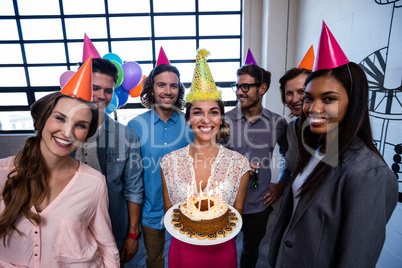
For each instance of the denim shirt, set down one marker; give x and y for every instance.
(121, 162)
(157, 138)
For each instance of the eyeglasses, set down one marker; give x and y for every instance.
(244, 87)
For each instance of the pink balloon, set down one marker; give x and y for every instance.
(65, 77)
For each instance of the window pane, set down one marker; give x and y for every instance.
(125, 115)
(228, 94)
(84, 6)
(146, 69)
(93, 27)
(12, 77)
(75, 50)
(16, 121)
(175, 26)
(221, 5)
(38, 7)
(130, 27)
(222, 48)
(10, 53)
(6, 7)
(220, 25)
(177, 49)
(129, 6)
(133, 50)
(8, 30)
(186, 71)
(39, 95)
(223, 71)
(45, 53)
(45, 76)
(9, 99)
(174, 6)
(49, 29)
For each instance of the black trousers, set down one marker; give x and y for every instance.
(254, 229)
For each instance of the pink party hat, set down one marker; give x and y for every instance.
(89, 49)
(250, 59)
(162, 59)
(80, 85)
(329, 53)
(308, 61)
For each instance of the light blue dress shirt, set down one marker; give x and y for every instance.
(157, 138)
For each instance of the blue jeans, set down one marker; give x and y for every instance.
(254, 228)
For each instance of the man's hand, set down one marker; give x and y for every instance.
(275, 192)
(253, 168)
(128, 250)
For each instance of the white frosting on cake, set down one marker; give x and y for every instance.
(194, 214)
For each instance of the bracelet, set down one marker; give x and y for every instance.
(134, 236)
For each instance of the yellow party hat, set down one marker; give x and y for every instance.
(203, 86)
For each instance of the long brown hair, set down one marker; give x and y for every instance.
(146, 95)
(224, 129)
(26, 184)
(356, 123)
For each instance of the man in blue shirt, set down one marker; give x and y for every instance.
(114, 151)
(160, 130)
(254, 133)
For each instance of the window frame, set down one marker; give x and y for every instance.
(31, 90)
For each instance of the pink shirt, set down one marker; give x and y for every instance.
(227, 170)
(75, 229)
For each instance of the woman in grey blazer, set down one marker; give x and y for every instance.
(342, 194)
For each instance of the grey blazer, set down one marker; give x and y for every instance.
(344, 223)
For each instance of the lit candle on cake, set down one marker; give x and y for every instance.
(220, 192)
(188, 197)
(199, 203)
(217, 194)
(209, 197)
(192, 187)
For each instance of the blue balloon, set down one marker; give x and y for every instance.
(112, 56)
(113, 104)
(122, 95)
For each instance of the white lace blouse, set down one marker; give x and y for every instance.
(227, 169)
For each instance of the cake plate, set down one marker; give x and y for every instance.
(195, 241)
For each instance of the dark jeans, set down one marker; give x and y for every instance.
(254, 228)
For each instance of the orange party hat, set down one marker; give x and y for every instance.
(162, 59)
(89, 49)
(308, 61)
(80, 85)
(329, 53)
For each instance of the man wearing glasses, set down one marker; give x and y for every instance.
(254, 133)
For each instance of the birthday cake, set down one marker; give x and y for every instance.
(202, 218)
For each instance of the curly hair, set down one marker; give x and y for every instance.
(27, 183)
(224, 129)
(146, 96)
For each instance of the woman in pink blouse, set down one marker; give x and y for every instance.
(209, 163)
(54, 209)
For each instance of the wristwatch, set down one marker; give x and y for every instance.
(134, 236)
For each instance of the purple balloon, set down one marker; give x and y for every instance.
(132, 75)
(65, 77)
